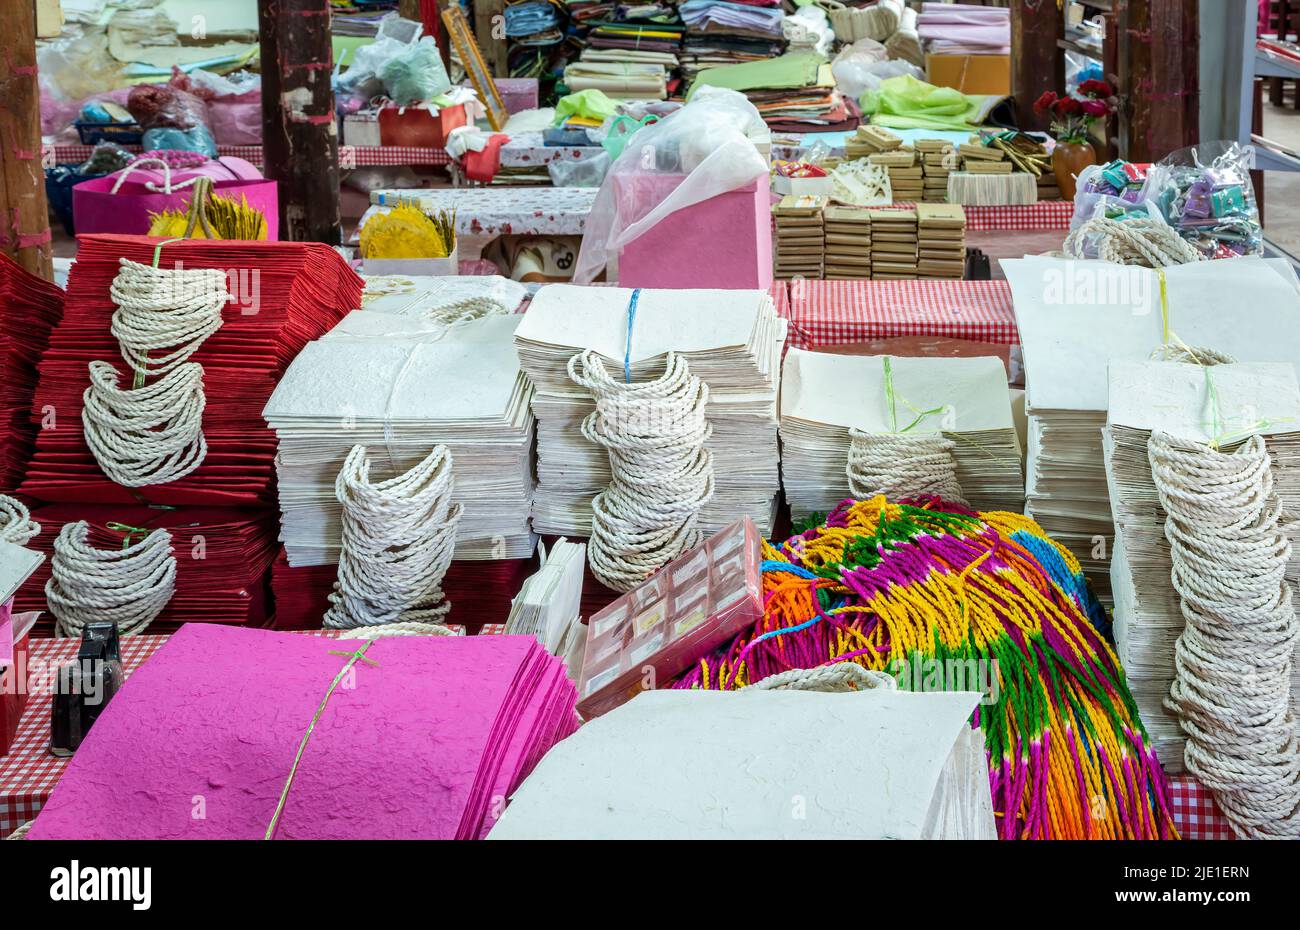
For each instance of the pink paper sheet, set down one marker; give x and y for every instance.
(425, 744)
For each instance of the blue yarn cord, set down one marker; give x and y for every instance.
(627, 349)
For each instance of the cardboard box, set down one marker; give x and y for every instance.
(724, 242)
(416, 127)
(971, 74)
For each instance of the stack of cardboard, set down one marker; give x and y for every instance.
(981, 159)
(869, 140)
(905, 174)
(848, 242)
(893, 244)
(938, 159)
(799, 242)
(941, 240)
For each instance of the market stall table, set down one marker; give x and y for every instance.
(29, 772)
(350, 156)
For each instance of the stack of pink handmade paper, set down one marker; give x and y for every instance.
(422, 738)
(965, 29)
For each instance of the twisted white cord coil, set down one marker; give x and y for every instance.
(129, 586)
(901, 465)
(398, 539)
(153, 434)
(1232, 691)
(662, 475)
(398, 629)
(16, 523)
(1132, 242)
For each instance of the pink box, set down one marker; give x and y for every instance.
(518, 93)
(688, 608)
(725, 241)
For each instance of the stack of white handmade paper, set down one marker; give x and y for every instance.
(549, 602)
(1076, 317)
(824, 395)
(1190, 402)
(732, 340)
(449, 299)
(400, 386)
(757, 764)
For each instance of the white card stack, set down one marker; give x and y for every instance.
(731, 339)
(1076, 317)
(401, 385)
(1172, 397)
(824, 395)
(550, 600)
(449, 299)
(872, 764)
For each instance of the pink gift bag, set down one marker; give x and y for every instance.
(122, 202)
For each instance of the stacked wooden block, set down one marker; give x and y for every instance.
(848, 242)
(893, 244)
(906, 177)
(941, 240)
(982, 159)
(869, 140)
(938, 160)
(799, 236)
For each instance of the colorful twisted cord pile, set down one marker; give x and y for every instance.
(932, 585)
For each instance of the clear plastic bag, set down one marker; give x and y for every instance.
(1206, 194)
(706, 144)
(861, 67)
(579, 172)
(415, 74)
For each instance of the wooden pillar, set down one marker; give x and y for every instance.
(300, 138)
(24, 214)
(1037, 62)
(1159, 77)
(490, 34)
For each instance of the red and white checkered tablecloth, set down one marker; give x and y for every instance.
(825, 313)
(1195, 814)
(29, 772)
(1045, 215)
(350, 156)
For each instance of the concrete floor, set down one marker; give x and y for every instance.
(1282, 188)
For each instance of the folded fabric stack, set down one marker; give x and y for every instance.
(731, 340)
(401, 386)
(941, 240)
(618, 79)
(825, 397)
(720, 33)
(283, 295)
(533, 22)
(222, 557)
(965, 29)
(30, 308)
(1126, 316)
(893, 243)
(1172, 397)
(799, 236)
(241, 703)
(848, 242)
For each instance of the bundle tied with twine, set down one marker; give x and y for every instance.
(901, 463)
(944, 598)
(654, 433)
(399, 536)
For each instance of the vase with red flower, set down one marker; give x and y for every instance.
(1072, 117)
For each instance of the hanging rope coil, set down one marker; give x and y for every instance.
(128, 586)
(153, 433)
(1232, 690)
(902, 465)
(16, 523)
(1150, 243)
(147, 435)
(398, 539)
(662, 475)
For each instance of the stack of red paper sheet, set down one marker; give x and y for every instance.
(480, 591)
(222, 555)
(284, 294)
(30, 308)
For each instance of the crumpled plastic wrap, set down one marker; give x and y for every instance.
(708, 141)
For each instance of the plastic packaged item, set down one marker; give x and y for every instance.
(579, 172)
(194, 139)
(415, 74)
(708, 141)
(234, 104)
(162, 106)
(658, 630)
(1205, 192)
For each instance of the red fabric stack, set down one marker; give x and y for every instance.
(30, 307)
(222, 559)
(480, 591)
(285, 294)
